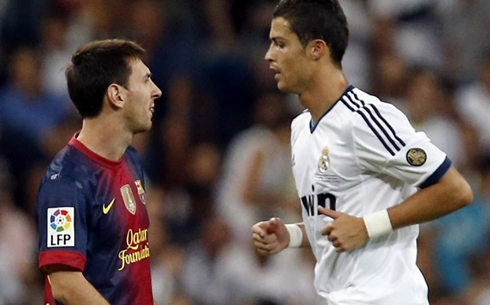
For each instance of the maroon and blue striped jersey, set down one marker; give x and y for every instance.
(91, 215)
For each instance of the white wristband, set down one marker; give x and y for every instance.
(378, 224)
(295, 235)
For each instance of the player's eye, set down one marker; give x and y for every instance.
(279, 44)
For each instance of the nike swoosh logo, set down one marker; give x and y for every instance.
(106, 209)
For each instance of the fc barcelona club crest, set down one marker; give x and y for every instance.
(141, 191)
(128, 198)
(324, 161)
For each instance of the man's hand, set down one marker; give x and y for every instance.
(345, 232)
(270, 237)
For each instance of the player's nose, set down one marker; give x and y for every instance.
(156, 92)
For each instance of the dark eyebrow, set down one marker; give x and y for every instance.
(148, 75)
(277, 38)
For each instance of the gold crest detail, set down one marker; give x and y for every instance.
(128, 198)
(416, 157)
(324, 161)
(141, 191)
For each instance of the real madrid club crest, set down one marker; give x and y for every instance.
(324, 161)
(416, 156)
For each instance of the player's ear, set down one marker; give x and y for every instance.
(116, 95)
(318, 49)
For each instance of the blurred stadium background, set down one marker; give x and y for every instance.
(217, 157)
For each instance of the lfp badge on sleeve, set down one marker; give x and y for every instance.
(61, 227)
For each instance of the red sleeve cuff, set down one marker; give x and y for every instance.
(62, 257)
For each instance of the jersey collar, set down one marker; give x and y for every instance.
(314, 124)
(92, 155)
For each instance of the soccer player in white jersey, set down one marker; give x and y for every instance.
(364, 176)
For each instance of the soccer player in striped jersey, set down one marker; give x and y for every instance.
(364, 176)
(91, 213)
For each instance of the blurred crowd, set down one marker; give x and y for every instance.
(217, 158)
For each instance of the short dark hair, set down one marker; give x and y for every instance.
(317, 19)
(94, 67)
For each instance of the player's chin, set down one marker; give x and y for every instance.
(143, 128)
(148, 126)
(283, 86)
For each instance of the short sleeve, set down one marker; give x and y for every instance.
(62, 224)
(385, 142)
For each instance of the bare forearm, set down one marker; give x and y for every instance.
(450, 194)
(71, 288)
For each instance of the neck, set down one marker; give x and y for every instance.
(327, 86)
(105, 138)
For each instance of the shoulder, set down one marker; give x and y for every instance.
(369, 111)
(357, 99)
(133, 159)
(68, 168)
(301, 120)
(62, 188)
(133, 154)
(376, 125)
(299, 124)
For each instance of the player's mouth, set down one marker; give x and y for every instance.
(278, 73)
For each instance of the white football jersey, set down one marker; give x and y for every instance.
(363, 156)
